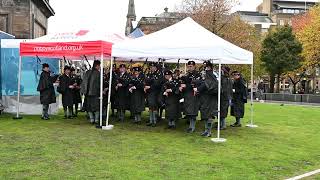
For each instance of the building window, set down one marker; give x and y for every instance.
(281, 22)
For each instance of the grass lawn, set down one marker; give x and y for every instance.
(286, 144)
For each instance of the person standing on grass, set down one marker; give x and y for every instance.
(136, 89)
(122, 93)
(170, 95)
(152, 88)
(76, 91)
(46, 89)
(207, 90)
(191, 100)
(66, 89)
(91, 89)
(226, 96)
(239, 98)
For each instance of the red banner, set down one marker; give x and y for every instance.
(67, 49)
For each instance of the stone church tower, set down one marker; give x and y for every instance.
(131, 16)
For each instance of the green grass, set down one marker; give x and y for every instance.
(286, 144)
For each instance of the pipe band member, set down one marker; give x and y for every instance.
(239, 98)
(136, 90)
(171, 96)
(46, 89)
(153, 82)
(191, 100)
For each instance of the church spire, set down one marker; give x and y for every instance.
(131, 16)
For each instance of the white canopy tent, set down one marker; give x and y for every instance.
(186, 40)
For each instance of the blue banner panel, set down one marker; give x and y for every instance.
(30, 74)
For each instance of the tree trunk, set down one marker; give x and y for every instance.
(278, 84)
(272, 78)
(294, 88)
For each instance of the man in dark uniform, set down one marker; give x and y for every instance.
(66, 87)
(91, 89)
(46, 89)
(226, 96)
(207, 89)
(76, 91)
(136, 89)
(170, 93)
(122, 93)
(191, 100)
(239, 98)
(153, 82)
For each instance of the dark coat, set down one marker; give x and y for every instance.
(137, 100)
(239, 98)
(171, 102)
(66, 92)
(155, 81)
(46, 89)
(122, 93)
(91, 88)
(191, 101)
(226, 95)
(76, 92)
(208, 92)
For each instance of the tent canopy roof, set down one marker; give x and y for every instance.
(186, 40)
(71, 44)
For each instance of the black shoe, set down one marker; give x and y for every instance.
(65, 117)
(154, 125)
(204, 134)
(235, 125)
(189, 130)
(173, 127)
(149, 124)
(70, 117)
(45, 118)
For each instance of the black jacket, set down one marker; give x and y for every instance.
(46, 89)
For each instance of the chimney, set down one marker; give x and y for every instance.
(267, 6)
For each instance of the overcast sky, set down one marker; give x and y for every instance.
(110, 16)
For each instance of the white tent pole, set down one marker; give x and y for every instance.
(19, 93)
(101, 89)
(218, 139)
(251, 125)
(109, 127)
(109, 93)
(185, 68)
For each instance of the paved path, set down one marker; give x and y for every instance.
(292, 103)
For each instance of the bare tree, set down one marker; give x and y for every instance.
(214, 15)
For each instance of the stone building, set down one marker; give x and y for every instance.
(152, 24)
(282, 11)
(25, 19)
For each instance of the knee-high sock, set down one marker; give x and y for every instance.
(155, 117)
(209, 125)
(173, 122)
(192, 123)
(65, 110)
(151, 117)
(76, 108)
(97, 116)
(223, 122)
(91, 116)
(238, 120)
